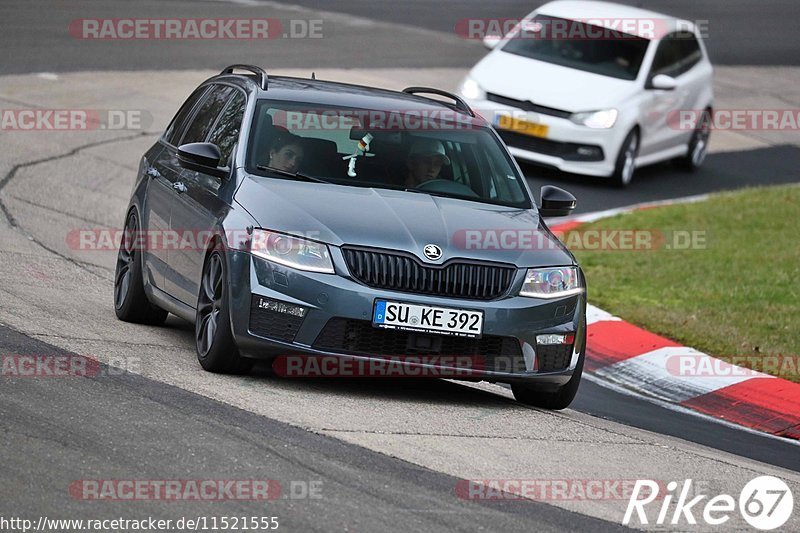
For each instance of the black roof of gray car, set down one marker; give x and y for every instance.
(338, 94)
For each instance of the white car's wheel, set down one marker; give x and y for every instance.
(626, 160)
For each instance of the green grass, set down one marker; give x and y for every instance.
(737, 296)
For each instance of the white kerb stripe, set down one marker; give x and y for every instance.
(676, 373)
(595, 314)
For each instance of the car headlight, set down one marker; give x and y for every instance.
(551, 282)
(294, 252)
(470, 89)
(602, 119)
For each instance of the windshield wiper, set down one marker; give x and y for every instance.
(422, 191)
(296, 175)
(444, 195)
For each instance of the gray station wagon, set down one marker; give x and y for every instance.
(290, 217)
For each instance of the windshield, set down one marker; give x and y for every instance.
(441, 152)
(578, 45)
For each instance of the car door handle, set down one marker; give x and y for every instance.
(179, 186)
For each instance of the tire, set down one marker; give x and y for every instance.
(214, 343)
(130, 301)
(697, 149)
(625, 166)
(555, 400)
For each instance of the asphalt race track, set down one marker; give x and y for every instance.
(157, 430)
(739, 33)
(388, 454)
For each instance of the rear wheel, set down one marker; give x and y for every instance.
(698, 144)
(130, 301)
(626, 160)
(216, 349)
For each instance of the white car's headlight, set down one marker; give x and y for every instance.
(294, 252)
(470, 89)
(603, 119)
(551, 282)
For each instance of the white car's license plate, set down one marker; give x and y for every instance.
(523, 126)
(426, 318)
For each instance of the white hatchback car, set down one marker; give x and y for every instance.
(597, 88)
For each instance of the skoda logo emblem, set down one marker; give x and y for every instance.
(432, 252)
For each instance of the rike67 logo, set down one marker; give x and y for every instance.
(765, 503)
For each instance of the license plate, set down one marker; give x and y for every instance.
(525, 127)
(427, 319)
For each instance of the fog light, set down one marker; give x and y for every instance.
(281, 307)
(555, 338)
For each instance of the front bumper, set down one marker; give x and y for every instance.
(337, 322)
(568, 147)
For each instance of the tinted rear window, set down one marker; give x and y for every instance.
(202, 122)
(176, 128)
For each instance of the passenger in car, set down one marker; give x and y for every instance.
(286, 152)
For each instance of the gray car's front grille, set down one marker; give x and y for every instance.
(457, 279)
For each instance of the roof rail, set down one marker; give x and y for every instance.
(260, 72)
(461, 105)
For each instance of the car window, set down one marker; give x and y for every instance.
(226, 131)
(578, 45)
(430, 150)
(175, 130)
(689, 51)
(667, 58)
(204, 119)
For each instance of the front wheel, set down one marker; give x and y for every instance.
(561, 398)
(216, 349)
(626, 160)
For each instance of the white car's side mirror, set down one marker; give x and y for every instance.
(663, 82)
(490, 41)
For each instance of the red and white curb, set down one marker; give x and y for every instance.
(647, 364)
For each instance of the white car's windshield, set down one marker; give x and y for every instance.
(431, 151)
(579, 45)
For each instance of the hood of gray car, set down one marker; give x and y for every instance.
(399, 220)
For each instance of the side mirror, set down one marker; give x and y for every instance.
(556, 202)
(202, 157)
(663, 82)
(491, 41)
